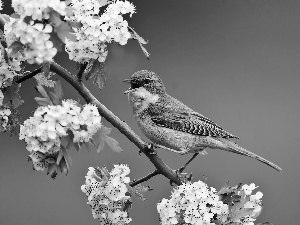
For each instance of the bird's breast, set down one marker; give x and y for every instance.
(140, 99)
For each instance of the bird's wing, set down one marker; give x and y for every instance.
(189, 122)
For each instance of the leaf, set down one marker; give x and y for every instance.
(57, 43)
(59, 157)
(97, 72)
(57, 95)
(241, 213)
(66, 155)
(46, 69)
(11, 95)
(138, 191)
(102, 138)
(14, 15)
(113, 144)
(16, 46)
(140, 40)
(43, 101)
(54, 18)
(42, 91)
(52, 170)
(64, 30)
(75, 24)
(67, 141)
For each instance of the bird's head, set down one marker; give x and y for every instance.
(145, 87)
(147, 80)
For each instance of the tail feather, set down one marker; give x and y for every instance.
(233, 147)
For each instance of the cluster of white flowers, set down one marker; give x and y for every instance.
(4, 114)
(253, 203)
(96, 31)
(107, 194)
(192, 203)
(1, 5)
(34, 36)
(38, 9)
(43, 131)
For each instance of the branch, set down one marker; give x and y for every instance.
(29, 75)
(150, 175)
(116, 122)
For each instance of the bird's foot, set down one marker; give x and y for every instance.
(151, 148)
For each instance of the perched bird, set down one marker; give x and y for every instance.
(172, 125)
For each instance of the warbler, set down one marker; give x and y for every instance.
(172, 125)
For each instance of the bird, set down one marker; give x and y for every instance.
(172, 125)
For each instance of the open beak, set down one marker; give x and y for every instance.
(127, 81)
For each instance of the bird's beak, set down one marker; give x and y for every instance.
(127, 81)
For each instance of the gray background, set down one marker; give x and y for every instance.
(234, 61)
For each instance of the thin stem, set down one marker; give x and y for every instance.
(143, 179)
(188, 162)
(29, 75)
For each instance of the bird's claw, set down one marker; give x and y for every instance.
(151, 148)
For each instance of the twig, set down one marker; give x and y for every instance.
(143, 179)
(29, 75)
(81, 71)
(116, 122)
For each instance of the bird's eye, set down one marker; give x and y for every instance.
(135, 85)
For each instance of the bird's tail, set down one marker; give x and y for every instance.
(233, 147)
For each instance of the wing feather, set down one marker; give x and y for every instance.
(192, 123)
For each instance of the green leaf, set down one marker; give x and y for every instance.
(11, 95)
(75, 24)
(97, 72)
(14, 15)
(52, 170)
(66, 155)
(64, 30)
(103, 138)
(43, 101)
(46, 69)
(59, 157)
(241, 213)
(67, 142)
(57, 95)
(57, 43)
(16, 46)
(54, 18)
(140, 40)
(139, 190)
(42, 91)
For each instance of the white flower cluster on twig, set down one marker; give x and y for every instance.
(107, 194)
(43, 132)
(97, 30)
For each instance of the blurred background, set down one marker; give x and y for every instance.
(236, 62)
